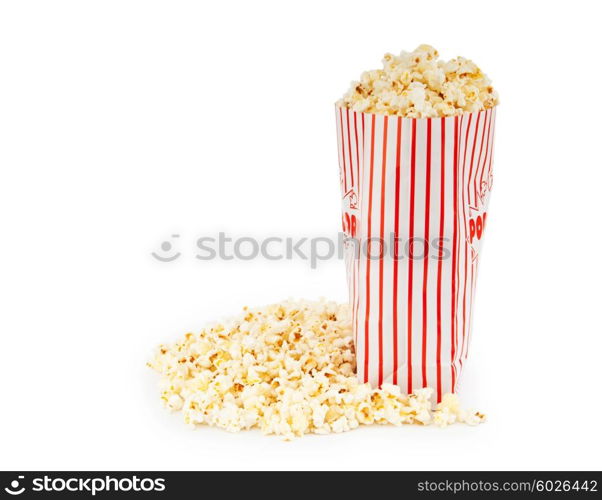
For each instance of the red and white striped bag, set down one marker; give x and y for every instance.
(425, 182)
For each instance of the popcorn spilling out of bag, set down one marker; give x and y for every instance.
(287, 369)
(420, 85)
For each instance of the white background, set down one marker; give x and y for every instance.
(123, 122)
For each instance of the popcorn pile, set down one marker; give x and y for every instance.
(419, 85)
(288, 369)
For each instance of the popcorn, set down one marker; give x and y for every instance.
(449, 411)
(419, 85)
(287, 369)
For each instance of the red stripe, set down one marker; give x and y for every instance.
(492, 144)
(474, 147)
(479, 164)
(440, 263)
(463, 193)
(458, 243)
(382, 260)
(349, 147)
(363, 135)
(352, 302)
(486, 149)
(354, 295)
(343, 148)
(472, 284)
(340, 146)
(367, 322)
(465, 276)
(357, 298)
(465, 188)
(351, 269)
(410, 257)
(363, 158)
(395, 254)
(359, 194)
(357, 154)
(427, 211)
(360, 202)
(454, 257)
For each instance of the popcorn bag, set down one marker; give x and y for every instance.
(415, 194)
(415, 147)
